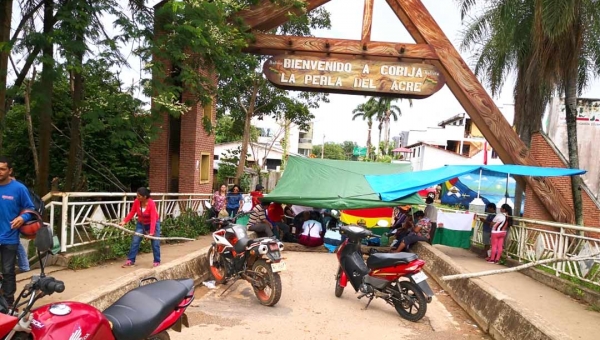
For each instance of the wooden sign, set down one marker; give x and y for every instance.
(348, 76)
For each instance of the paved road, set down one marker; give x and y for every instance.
(308, 309)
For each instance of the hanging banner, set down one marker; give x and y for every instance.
(353, 76)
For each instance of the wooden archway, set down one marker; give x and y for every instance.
(432, 47)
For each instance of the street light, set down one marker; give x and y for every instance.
(323, 147)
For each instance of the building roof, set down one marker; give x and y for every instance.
(451, 119)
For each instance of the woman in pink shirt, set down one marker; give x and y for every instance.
(147, 224)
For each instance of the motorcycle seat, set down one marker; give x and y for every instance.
(243, 243)
(381, 260)
(137, 314)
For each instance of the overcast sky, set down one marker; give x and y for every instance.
(334, 119)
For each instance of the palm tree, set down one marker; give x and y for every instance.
(566, 46)
(552, 45)
(367, 112)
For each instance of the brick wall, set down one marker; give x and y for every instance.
(546, 155)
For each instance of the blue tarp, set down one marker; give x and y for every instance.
(391, 187)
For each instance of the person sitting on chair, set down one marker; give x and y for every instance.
(258, 221)
(419, 232)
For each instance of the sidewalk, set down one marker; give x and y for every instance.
(84, 280)
(565, 313)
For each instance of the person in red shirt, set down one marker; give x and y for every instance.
(276, 216)
(256, 195)
(147, 223)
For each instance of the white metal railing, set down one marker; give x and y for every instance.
(532, 240)
(69, 212)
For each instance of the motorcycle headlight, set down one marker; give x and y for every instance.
(280, 246)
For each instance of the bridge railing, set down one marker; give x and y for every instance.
(70, 211)
(530, 240)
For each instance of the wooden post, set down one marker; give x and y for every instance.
(367, 23)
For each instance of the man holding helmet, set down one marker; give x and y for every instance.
(14, 198)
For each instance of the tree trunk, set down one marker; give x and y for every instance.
(286, 143)
(246, 140)
(369, 144)
(571, 115)
(5, 21)
(73, 175)
(44, 106)
(36, 163)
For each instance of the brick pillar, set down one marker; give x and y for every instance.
(196, 150)
(159, 158)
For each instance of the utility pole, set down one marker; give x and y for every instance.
(323, 147)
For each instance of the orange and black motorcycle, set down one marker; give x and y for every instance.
(235, 256)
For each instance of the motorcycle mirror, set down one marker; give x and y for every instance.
(43, 239)
(207, 205)
(335, 213)
(383, 224)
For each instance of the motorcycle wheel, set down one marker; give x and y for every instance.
(160, 336)
(217, 267)
(339, 290)
(270, 293)
(410, 303)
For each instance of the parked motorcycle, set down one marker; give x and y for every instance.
(397, 278)
(233, 256)
(146, 312)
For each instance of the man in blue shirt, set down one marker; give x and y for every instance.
(14, 198)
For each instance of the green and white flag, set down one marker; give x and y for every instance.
(454, 229)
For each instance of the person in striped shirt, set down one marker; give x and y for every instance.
(258, 221)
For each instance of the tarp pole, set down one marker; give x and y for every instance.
(479, 188)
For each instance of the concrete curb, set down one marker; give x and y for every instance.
(193, 265)
(497, 314)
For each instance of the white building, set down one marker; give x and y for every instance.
(300, 141)
(266, 156)
(588, 133)
(455, 141)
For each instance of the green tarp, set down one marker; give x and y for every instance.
(330, 184)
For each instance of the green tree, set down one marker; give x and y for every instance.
(246, 94)
(367, 111)
(552, 44)
(332, 151)
(348, 147)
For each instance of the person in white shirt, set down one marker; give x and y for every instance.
(312, 232)
(500, 226)
(431, 213)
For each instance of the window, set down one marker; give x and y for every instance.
(208, 110)
(414, 152)
(494, 154)
(216, 157)
(205, 168)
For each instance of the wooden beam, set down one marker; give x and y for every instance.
(266, 15)
(270, 43)
(367, 22)
(477, 102)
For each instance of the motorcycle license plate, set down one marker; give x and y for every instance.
(418, 277)
(278, 267)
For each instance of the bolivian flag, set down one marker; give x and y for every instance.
(370, 216)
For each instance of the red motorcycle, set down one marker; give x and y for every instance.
(397, 278)
(146, 312)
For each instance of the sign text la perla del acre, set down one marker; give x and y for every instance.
(408, 80)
